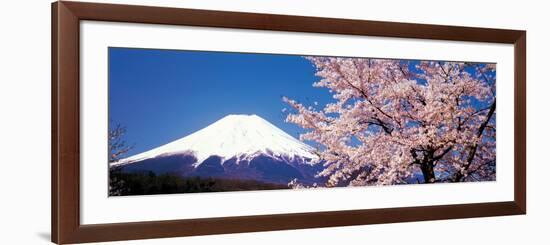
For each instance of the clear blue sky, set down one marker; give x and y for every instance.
(163, 95)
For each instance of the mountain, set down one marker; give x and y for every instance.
(234, 147)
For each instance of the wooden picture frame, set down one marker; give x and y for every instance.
(66, 226)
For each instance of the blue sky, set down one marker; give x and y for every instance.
(163, 95)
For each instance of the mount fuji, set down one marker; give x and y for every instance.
(234, 147)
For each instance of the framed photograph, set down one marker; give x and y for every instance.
(177, 122)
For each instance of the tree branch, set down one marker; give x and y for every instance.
(473, 148)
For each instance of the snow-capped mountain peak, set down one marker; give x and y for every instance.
(234, 136)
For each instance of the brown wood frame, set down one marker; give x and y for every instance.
(66, 227)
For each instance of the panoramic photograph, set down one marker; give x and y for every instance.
(203, 121)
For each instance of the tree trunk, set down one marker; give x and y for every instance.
(428, 172)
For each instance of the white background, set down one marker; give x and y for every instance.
(25, 121)
(97, 208)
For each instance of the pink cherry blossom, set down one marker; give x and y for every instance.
(394, 120)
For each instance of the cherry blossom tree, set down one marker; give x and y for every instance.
(117, 146)
(117, 150)
(400, 121)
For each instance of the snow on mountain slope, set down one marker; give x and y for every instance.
(239, 136)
